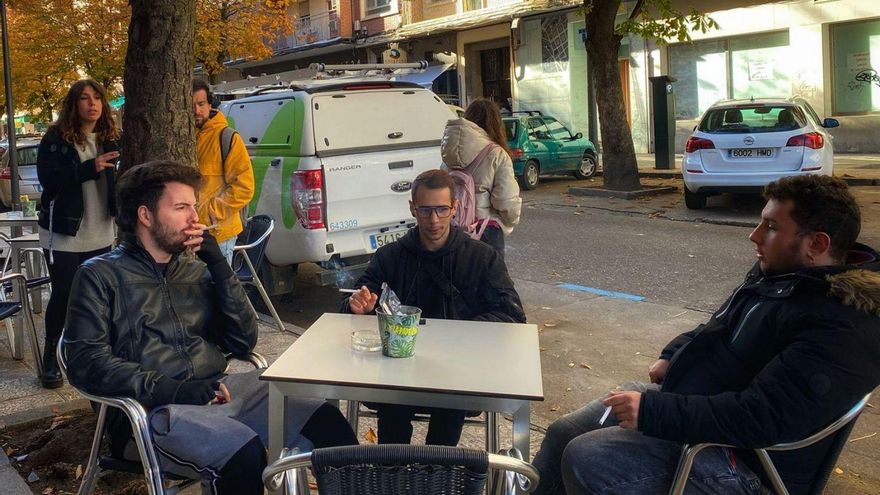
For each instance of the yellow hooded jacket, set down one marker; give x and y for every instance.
(225, 190)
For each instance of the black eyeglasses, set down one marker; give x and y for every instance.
(426, 211)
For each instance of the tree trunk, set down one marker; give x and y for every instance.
(158, 117)
(621, 172)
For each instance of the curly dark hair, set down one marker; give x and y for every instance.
(821, 204)
(144, 184)
(433, 179)
(69, 124)
(485, 114)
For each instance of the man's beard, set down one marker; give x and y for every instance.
(169, 241)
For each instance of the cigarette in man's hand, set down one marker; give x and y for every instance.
(211, 227)
(605, 416)
(349, 291)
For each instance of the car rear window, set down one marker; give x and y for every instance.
(511, 127)
(752, 119)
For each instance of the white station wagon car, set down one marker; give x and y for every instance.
(743, 145)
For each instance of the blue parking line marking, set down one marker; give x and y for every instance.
(602, 292)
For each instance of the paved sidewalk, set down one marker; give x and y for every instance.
(856, 170)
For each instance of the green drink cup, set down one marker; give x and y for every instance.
(398, 332)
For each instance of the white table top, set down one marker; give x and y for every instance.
(26, 239)
(486, 359)
(5, 219)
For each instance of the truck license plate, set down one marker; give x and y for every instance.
(381, 239)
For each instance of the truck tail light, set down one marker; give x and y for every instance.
(696, 144)
(307, 199)
(516, 153)
(812, 140)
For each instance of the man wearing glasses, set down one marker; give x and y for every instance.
(448, 275)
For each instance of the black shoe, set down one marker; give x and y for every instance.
(51, 374)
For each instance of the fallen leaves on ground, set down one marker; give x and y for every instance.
(587, 366)
(837, 470)
(371, 437)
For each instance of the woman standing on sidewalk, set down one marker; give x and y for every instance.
(478, 144)
(75, 165)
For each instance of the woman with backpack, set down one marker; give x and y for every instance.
(476, 147)
(76, 164)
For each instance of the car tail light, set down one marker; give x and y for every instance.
(695, 144)
(308, 198)
(812, 140)
(516, 153)
(5, 174)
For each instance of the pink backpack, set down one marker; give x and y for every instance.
(465, 192)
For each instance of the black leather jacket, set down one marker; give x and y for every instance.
(61, 174)
(128, 325)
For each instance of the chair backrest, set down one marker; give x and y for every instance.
(410, 469)
(419, 469)
(252, 241)
(841, 428)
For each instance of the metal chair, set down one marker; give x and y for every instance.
(354, 413)
(842, 426)
(9, 309)
(251, 247)
(410, 469)
(137, 418)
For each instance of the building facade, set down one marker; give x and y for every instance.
(530, 55)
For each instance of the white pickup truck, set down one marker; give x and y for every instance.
(334, 162)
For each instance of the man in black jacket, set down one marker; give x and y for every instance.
(447, 274)
(791, 350)
(148, 322)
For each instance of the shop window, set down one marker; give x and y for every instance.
(743, 67)
(855, 67)
(554, 43)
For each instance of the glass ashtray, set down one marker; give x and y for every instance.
(366, 341)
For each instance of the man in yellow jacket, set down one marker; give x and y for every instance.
(227, 186)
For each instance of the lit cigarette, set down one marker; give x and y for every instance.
(211, 227)
(605, 416)
(349, 291)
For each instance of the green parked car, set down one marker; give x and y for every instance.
(541, 145)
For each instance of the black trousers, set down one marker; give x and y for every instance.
(61, 274)
(494, 237)
(395, 424)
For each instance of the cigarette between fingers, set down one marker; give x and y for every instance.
(605, 416)
(210, 227)
(349, 291)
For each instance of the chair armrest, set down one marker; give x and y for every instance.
(512, 462)
(256, 359)
(273, 474)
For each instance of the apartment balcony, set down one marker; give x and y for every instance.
(311, 29)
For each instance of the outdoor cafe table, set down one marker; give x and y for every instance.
(7, 220)
(470, 365)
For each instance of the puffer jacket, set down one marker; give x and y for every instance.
(129, 325)
(476, 285)
(496, 189)
(225, 190)
(783, 357)
(61, 174)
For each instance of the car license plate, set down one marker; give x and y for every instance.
(751, 153)
(383, 238)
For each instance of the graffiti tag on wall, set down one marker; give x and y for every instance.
(864, 78)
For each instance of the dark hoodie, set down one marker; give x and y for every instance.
(783, 357)
(472, 284)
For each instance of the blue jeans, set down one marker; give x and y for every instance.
(226, 248)
(578, 456)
